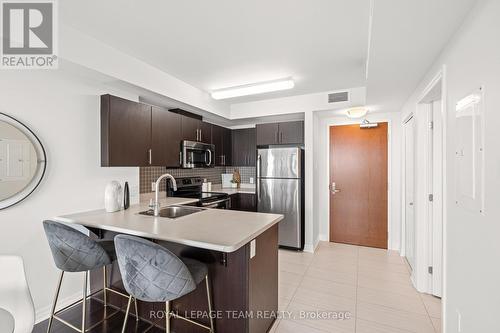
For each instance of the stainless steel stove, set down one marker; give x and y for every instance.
(191, 187)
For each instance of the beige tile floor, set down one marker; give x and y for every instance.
(372, 285)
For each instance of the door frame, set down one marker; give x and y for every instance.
(404, 123)
(326, 190)
(421, 279)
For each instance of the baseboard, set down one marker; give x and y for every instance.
(44, 312)
(324, 238)
(309, 248)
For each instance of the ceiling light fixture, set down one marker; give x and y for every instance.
(358, 112)
(252, 89)
(468, 101)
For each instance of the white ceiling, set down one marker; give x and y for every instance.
(407, 37)
(216, 44)
(322, 44)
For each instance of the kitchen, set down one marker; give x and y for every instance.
(238, 220)
(238, 166)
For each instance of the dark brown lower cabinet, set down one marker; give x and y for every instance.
(244, 201)
(244, 288)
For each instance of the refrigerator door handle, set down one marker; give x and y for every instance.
(259, 161)
(257, 188)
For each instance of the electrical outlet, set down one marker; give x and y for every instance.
(251, 180)
(253, 248)
(459, 321)
(153, 186)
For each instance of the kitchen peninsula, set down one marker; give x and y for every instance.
(240, 248)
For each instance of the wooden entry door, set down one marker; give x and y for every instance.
(358, 185)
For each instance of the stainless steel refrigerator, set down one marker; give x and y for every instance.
(280, 190)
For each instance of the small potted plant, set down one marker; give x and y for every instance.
(235, 183)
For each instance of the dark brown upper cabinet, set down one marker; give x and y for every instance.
(267, 134)
(193, 128)
(280, 133)
(221, 138)
(166, 137)
(137, 134)
(291, 132)
(244, 146)
(125, 132)
(205, 132)
(227, 147)
(190, 128)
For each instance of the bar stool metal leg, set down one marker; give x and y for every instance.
(167, 317)
(58, 289)
(209, 299)
(136, 311)
(126, 314)
(84, 302)
(105, 285)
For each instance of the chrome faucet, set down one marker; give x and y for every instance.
(157, 191)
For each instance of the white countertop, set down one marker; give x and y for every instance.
(245, 188)
(213, 229)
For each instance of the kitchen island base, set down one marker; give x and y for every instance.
(244, 286)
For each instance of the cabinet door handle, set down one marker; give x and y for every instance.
(180, 158)
(200, 134)
(150, 156)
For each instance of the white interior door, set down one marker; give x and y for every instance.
(409, 135)
(437, 203)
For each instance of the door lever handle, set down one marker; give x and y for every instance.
(333, 189)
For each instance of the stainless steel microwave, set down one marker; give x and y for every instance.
(197, 154)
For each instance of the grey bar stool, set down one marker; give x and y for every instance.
(152, 273)
(74, 251)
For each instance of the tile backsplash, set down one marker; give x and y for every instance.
(147, 175)
(245, 172)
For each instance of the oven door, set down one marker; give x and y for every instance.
(219, 204)
(197, 155)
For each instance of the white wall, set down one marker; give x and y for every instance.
(88, 52)
(296, 104)
(321, 181)
(472, 246)
(63, 111)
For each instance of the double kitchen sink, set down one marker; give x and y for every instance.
(174, 211)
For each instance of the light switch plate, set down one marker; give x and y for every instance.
(252, 248)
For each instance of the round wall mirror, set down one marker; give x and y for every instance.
(22, 161)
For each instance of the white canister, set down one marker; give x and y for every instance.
(113, 197)
(204, 186)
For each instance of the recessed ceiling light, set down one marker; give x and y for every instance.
(252, 89)
(357, 112)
